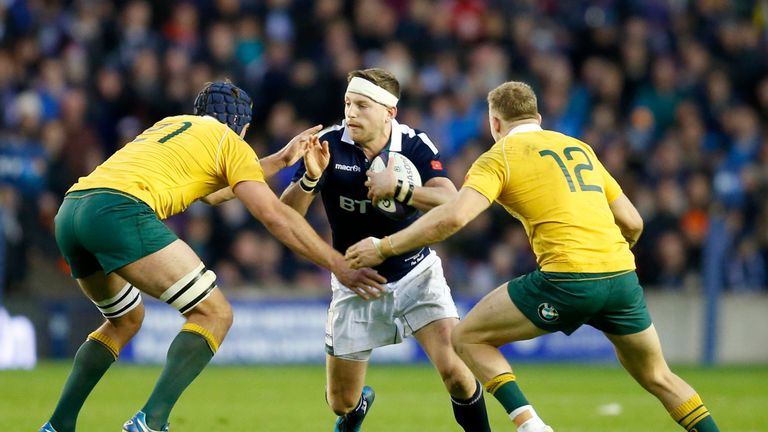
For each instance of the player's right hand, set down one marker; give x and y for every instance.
(317, 157)
(365, 282)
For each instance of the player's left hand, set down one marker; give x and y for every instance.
(363, 254)
(381, 185)
(297, 146)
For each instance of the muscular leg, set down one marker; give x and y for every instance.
(641, 355)
(157, 272)
(344, 381)
(346, 395)
(466, 395)
(97, 353)
(493, 322)
(206, 326)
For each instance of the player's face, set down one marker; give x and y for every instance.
(366, 120)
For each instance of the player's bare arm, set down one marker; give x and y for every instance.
(300, 194)
(437, 225)
(436, 191)
(294, 231)
(627, 218)
(271, 164)
(218, 197)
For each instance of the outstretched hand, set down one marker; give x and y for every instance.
(297, 147)
(316, 157)
(365, 282)
(364, 254)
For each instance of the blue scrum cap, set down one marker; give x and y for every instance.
(226, 103)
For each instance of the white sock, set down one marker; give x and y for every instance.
(517, 411)
(533, 424)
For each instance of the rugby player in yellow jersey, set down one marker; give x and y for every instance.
(581, 227)
(109, 230)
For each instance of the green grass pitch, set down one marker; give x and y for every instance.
(572, 398)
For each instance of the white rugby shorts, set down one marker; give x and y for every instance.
(356, 325)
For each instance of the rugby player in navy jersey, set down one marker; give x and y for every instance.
(416, 300)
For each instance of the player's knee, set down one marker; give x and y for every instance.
(459, 339)
(457, 380)
(658, 380)
(223, 314)
(216, 309)
(130, 323)
(342, 404)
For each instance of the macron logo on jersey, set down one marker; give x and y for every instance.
(353, 168)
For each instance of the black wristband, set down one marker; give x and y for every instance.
(398, 188)
(305, 188)
(307, 183)
(409, 194)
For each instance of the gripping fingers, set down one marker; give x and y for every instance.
(360, 292)
(375, 279)
(367, 292)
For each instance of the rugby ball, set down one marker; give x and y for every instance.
(406, 171)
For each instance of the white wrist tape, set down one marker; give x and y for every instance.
(308, 184)
(377, 246)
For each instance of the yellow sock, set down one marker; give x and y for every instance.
(690, 413)
(208, 336)
(105, 340)
(499, 380)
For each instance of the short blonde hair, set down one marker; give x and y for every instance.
(513, 101)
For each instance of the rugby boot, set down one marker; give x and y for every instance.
(138, 423)
(47, 428)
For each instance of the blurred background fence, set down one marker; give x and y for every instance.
(671, 94)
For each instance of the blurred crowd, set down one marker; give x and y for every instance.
(671, 94)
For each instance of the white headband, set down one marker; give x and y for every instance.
(366, 88)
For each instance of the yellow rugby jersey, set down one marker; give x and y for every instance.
(176, 161)
(559, 190)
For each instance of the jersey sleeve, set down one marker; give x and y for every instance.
(299, 173)
(238, 161)
(487, 175)
(426, 158)
(610, 185)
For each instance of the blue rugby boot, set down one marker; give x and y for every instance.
(353, 421)
(138, 423)
(47, 428)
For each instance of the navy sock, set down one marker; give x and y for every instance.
(470, 413)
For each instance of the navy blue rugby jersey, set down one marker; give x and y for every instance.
(344, 194)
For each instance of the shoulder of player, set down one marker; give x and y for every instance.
(332, 134)
(412, 140)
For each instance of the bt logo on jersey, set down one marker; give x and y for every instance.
(353, 205)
